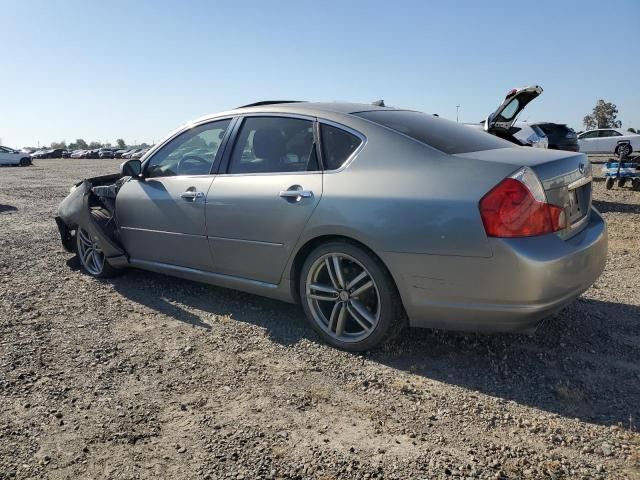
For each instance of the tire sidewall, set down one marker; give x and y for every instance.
(390, 314)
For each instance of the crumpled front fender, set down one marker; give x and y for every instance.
(74, 211)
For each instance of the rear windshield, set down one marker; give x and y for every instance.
(444, 135)
(551, 128)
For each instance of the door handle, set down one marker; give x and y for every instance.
(191, 195)
(296, 193)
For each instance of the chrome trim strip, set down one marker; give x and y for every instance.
(148, 230)
(194, 271)
(242, 240)
(580, 182)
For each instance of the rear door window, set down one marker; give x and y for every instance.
(337, 146)
(444, 135)
(274, 145)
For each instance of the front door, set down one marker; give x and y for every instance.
(162, 215)
(260, 203)
(588, 142)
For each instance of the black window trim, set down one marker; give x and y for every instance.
(219, 154)
(354, 154)
(224, 165)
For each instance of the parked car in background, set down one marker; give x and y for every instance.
(52, 153)
(66, 154)
(362, 214)
(560, 136)
(140, 153)
(605, 140)
(132, 152)
(106, 153)
(501, 122)
(118, 153)
(38, 154)
(529, 135)
(93, 154)
(10, 156)
(77, 154)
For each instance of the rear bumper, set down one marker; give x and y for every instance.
(526, 280)
(569, 147)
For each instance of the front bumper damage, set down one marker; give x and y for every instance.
(74, 211)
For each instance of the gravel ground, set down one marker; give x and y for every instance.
(146, 376)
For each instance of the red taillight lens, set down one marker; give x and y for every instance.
(510, 210)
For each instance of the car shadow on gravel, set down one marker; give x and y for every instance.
(617, 207)
(582, 363)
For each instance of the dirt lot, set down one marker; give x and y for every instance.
(146, 376)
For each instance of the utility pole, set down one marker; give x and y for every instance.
(457, 109)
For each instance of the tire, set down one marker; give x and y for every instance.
(609, 183)
(621, 182)
(635, 184)
(92, 260)
(355, 310)
(24, 162)
(625, 153)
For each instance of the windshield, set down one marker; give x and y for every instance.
(444, 135)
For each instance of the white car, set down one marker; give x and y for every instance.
(502, 122)
(9, 156)
(605, 140)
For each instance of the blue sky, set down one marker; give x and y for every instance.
(100, 70)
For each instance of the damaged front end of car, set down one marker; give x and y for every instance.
(78, 211)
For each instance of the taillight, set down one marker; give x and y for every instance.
(517, 207)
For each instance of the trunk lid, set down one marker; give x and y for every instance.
(565, 177)
(515, 101)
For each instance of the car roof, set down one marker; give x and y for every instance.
(300, 108)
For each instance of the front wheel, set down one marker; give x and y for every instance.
(91, 256)
(24, 162)
(349, 297)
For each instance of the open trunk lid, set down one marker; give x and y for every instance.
(515, 101)
(565, 177)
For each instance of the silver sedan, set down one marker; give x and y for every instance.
(370, 217)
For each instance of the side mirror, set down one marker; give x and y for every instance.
(131, 168)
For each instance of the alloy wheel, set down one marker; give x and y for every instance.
(343, 297)
(90, 254)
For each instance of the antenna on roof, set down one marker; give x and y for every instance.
(378, 103)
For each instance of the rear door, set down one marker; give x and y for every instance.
(608, 141)
(162, 216)
(259, 204)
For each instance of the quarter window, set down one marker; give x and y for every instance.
(190, 153)
(337, 146)
(273, 145)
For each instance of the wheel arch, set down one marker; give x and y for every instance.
(306, 248)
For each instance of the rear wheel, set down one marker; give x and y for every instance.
(91, 256)
(623, 150)
(349, 297)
